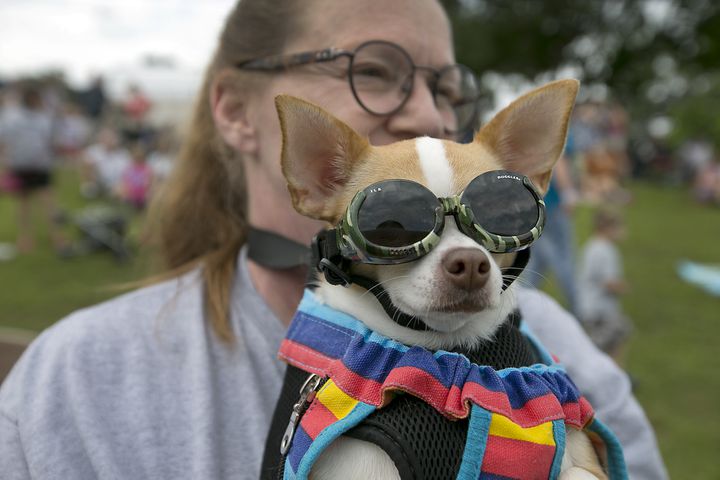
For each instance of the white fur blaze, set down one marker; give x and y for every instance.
(435, 166)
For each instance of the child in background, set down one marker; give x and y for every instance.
(601, 283)
(103, 165)
(706, 186)
(162, 158)
(137, 179)
(72, 131)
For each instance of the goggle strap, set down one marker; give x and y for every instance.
(327, 258)
(397, 315)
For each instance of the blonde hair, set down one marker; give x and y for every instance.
(200, 217)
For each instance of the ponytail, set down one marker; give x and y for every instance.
(199, 218)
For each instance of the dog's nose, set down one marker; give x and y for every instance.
(466, 268)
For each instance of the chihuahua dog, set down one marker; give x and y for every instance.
(456, 287)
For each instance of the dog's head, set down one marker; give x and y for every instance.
(456, 288)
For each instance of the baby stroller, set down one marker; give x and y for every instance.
(102, 228)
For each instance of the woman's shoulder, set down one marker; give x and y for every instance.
(123, 327)
(132, 310)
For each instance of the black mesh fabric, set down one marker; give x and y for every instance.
(509, 348)
(422, 443)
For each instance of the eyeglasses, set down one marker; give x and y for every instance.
(382, 76)
(398, 221)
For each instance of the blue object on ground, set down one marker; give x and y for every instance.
(704, 275)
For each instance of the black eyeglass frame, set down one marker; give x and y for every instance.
(286, 61)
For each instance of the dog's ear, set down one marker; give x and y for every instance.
(318, 155)
(528, 136)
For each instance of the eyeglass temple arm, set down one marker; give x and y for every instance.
(281, 62)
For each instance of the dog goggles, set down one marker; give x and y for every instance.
(398, 221)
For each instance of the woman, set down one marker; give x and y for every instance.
(179, 380)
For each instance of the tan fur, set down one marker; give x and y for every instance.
(325, 153)
(523, 144)
(581, 454)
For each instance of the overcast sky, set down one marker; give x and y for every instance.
(86, 37)
(83, 37)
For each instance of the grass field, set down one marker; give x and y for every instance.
(677, 325)
(39, 288)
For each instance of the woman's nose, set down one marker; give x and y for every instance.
(420, 115)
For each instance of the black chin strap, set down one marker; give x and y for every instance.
(328, 259)
(277, 252)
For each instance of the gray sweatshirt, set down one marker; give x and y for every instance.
(139, 387)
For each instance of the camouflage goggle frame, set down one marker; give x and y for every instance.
(355, 247)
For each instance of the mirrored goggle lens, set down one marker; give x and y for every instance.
(397, 213)
(501, 203)
(381, 76)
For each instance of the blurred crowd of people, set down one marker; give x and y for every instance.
(597, 148)
(121, 158)
(604, 153)
(600, 157)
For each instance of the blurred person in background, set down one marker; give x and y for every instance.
(137, 179)
(26, 138)
(8, 101)
(162, 156)
(136, 106)
(694, 155)
(616, 133)
(102, 165)
(585, 127)
(706, 186)
(601, 182)
(601, 283)
(180, 379)
(72, 131)
(601, 139)
(554, 251)
(94, 100)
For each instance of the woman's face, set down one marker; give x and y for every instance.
(418, 26)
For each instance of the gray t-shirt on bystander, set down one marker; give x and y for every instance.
(600, 264)
(27, 137)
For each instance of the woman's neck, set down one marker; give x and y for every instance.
(282, 290)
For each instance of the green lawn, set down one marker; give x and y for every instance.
(676, 344)
(40, 288)
(676, 323)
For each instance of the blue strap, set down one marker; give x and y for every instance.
(617, 470)
(478, 431)
(559, 435)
